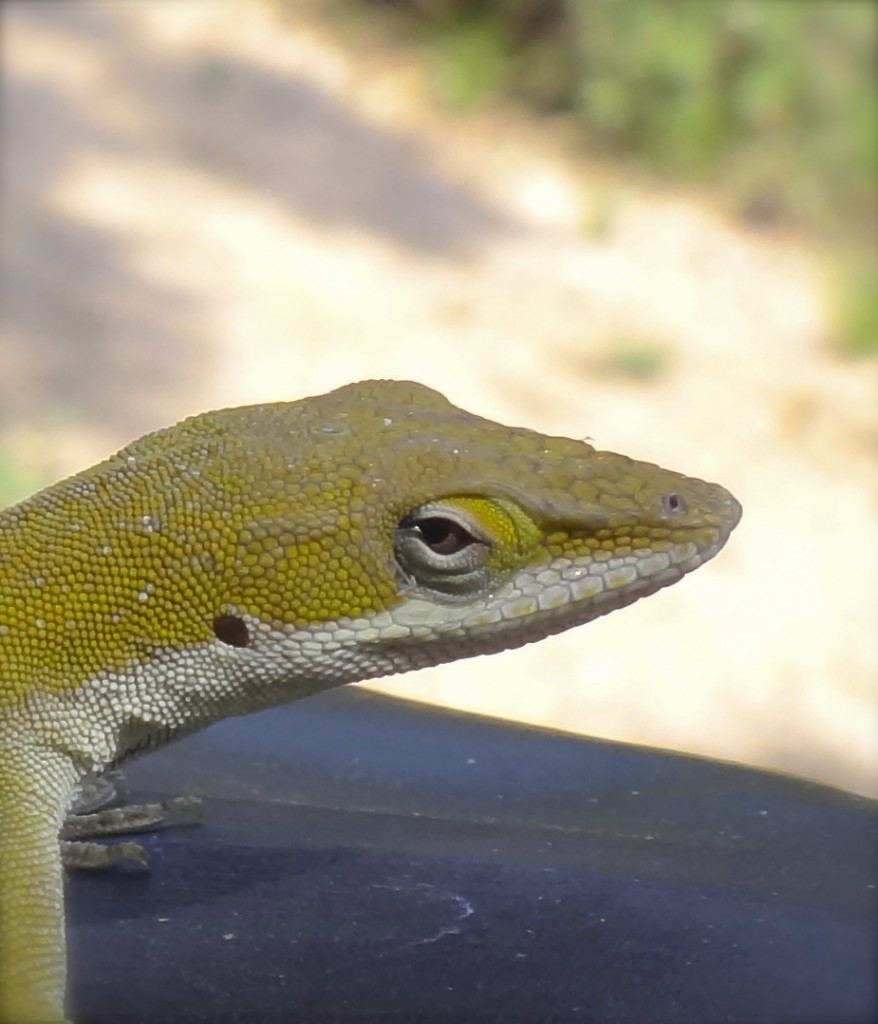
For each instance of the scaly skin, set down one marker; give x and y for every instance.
(249, 557)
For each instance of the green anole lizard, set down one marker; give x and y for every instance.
(248, 557)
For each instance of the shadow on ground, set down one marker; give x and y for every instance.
(86, 335)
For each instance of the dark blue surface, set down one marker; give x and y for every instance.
(365, 859)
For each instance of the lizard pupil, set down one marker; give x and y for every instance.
(231, 630)
(444, 536)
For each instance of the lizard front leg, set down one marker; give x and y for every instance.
(36, 785)
(91, 817)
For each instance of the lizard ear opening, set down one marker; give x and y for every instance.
(231, 630)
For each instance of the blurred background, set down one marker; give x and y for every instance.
(646, 224)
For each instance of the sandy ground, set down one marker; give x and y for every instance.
(202, 207)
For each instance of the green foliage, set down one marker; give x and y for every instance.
(858, 312)
(469, 61)
(773, 103)
(775, 99)
(634, 359)
(480, 48)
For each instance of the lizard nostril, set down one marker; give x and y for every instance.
(673, 504)
(231, 630)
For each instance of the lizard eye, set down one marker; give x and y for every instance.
(442, 536)
(439, 548)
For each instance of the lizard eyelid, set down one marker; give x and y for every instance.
(440, 548)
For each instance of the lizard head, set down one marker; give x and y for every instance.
(250, 556)
(415, 532)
